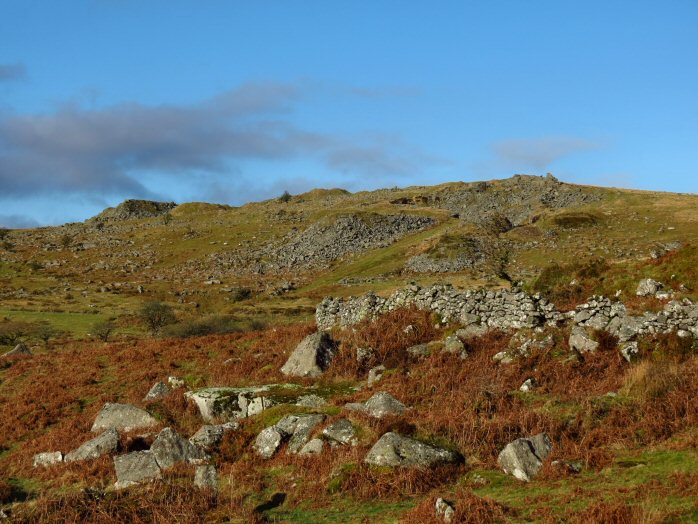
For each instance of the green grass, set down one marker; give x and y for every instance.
(77, 324)
(342, 510)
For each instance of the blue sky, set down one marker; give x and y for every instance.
(231, 101)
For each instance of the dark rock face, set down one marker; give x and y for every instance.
(129, 209)
(311, 357)
(171, 448)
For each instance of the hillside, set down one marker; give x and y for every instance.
(554, 322)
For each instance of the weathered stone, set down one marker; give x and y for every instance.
(312, 447)
(47, 458)
(524, 457)
(581, 342)
(210, 435)
(171, 448)
(445, 510)
(648, 287)
(175, 382)
(503, 357)
(342, 432)
(418, 351)
(473, 330)
(159, 390)
(235, 403)
(383, 404)
(206, 477)
(301, 433)
(267, 442)
(375, 375)
(453, 344)
(311, 357)
(630, 351)
(123, 417)
(396, 450)
(107, 442)
(528, 385)
(19, 350)
(364, 354)
(134, 468)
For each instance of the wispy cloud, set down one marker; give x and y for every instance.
(106, 151)
(539, 153)
(11, 72)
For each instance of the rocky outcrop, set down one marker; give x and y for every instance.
(524, 457)
(395, 450)
(297, 429)
(130, 209)
(341, 432)
(210, 435)
(311, 357)
(107, 442)
(159, 390)
(122, 417)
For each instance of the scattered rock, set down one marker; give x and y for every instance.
(364, 354)
(581, 342)
(210, 435)
(267, 442)
(304, 426)
(19, 349)
(122, 417)
(206, 477)
(171, 448)
(134, 468)
(453, 344)
(418, 351)
(375, 375)
(396, 450)
(630, 351)
(159, 390)
(524, 457)
(175, 382)
(235, 403)
(528, 385)
(341, 432)
(311, 357)
(379, 405)
(445, 510)
(503, 357)
(47, 458)
(107, 442)
(648, 287)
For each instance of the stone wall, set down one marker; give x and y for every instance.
(509, 309)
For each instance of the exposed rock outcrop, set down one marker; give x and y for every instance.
(122, 417)
(396, 450)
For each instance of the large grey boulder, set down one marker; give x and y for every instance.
(581, 342)
(396, 450)
(267, 442)
(159, 390)
(524, 457)
(48, 458)
(19, 349)
(380, 405)
(134, 468)
(171, 448)
(123, 417)
(206, 477)
(341, 432)
(107, 442)
(313, 447)
(311, 357)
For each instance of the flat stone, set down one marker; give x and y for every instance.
(171, 448)
(135, 468)
(48, 458)
(122, 417)
(395, 450)
(206, 477)
(107, 442)
(311, 357)
(524, 457)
